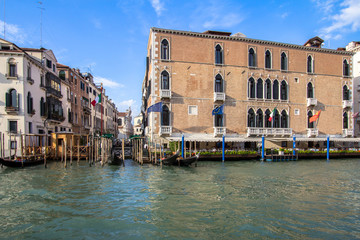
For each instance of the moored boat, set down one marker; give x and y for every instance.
(19, 163)
(188, 161)
(172, 160)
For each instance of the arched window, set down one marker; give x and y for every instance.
(251, 88)
(12, 98)
(346, 93)
(259, 88)
(346, 68)
(42, 107)
(283, 90)
(267, 116)
(267, 59)
(62, 74)
(284, 61)
(252, 58)
(164, 49)
(276, 89)
(165, 116)
(284, 119)
(219, 86)
(310, 90)
(259, 118)
(310, 68)
(29, 103)
(251, 118)
(218, 54)
(310, 124)
(276, 119)
(165, 80)
(12, 68)
(268, 89)
(345, 120)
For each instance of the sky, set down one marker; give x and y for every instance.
(109, 37)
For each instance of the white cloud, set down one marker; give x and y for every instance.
(12, 33)
(96, 22)
(124, 105)
(284, 15)
(158, 6)
(107, 82)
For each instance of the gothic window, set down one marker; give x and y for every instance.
(276, 119)
(251, 118)
(284, 61)
(310, 65)
(218, 54)
(310, 124)
(267, 59)
(165, 80)
(219, 120)
(268, 89)
(165, 50)
(283, 90)
(284, 119)
(252, 58)
(259, 88)
(346, 93)
(165, 116)
(346, 68)
(259, 118)
(276, 90)
(219, 86)
(345, 120)
(251, 88)
(310, 90)
(267, 116)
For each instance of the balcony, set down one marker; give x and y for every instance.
(12, 110)
(87, 127)
(86, 109)
(52, 91)
(348, 132)
(31, 81)
(219, 131)
(312, 132)
(55, 117)
(219, 97)
(276, 132)
(165, 130)
(347, 104)
(165, 93)
(311, 102)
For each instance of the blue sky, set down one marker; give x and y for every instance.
(109, 37)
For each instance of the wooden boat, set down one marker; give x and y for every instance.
(116, 158)
(188, 161)
(19, 163)
(170, 160)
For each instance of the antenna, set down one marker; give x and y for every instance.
(41, 10)
(4, 19)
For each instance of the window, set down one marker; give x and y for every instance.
(310, 124)
(252, 58)
(345, 121)
(268, 89)
(28, 72)
(267, 116)
(310, 90)
(218, 54)
(283, 90)
(42, 81)
(29, 104)
(219, 120)
(267, 59)
(259, 118)
(284, 61)
(165, 116)
(284, 119)
(165, 50)
(12, 98)
(48, 63)
(259, 88)
(251, 118)
(310, 67)
(62, 74)
(346, 93)
(12, 68)
(276, 119)
(296, 80)
(346, 68)
(165, 80)
(54, 68)
(251, 88)
(13, 126)
(297, 111)
(30, 127)
(42, 107)
(219, 83)
(276, 89)
(193, 110)
(13, 145)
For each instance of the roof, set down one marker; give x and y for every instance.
(59, 65)
(122, 114)
(249, 40)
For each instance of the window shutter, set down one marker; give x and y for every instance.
(17, 101)
(31, 105)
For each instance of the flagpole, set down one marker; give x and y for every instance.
(101, 108)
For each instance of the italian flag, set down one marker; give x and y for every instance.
(96, 100)
(272, 114)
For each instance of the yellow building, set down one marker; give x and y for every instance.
(192, 74)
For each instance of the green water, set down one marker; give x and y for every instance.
(234, 200)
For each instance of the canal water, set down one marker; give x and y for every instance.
(232, 200)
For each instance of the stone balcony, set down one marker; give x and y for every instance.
(219, 131)
(165, 93)
(312, 132)
(219, 97)
(165, 130)
(348, 132)
(347, 104)
(276, 132)
(311, 102)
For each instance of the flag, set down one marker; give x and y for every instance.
(96, 100)
(316, 116)
(157, 107)
(355, 115)
(272, 114)
(218, 110)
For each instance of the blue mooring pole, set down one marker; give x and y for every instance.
(328, 147)
(262, 148)
(223, 148)
(182, 146)
(294, 146)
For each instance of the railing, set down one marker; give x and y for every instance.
(312, 132)
(165, 93)
(347, 104)
(219, 131)
(219, 96)
(253, 131)
(311, 102)
(348, 132)
(86, 109)
(54, 92)
(56, 117)
(165, 130)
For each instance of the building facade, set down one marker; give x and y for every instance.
(215, 84)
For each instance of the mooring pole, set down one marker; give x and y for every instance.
(294, 146)
(182, 146)
(328, 148)
(262, 148)
(223, 148)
